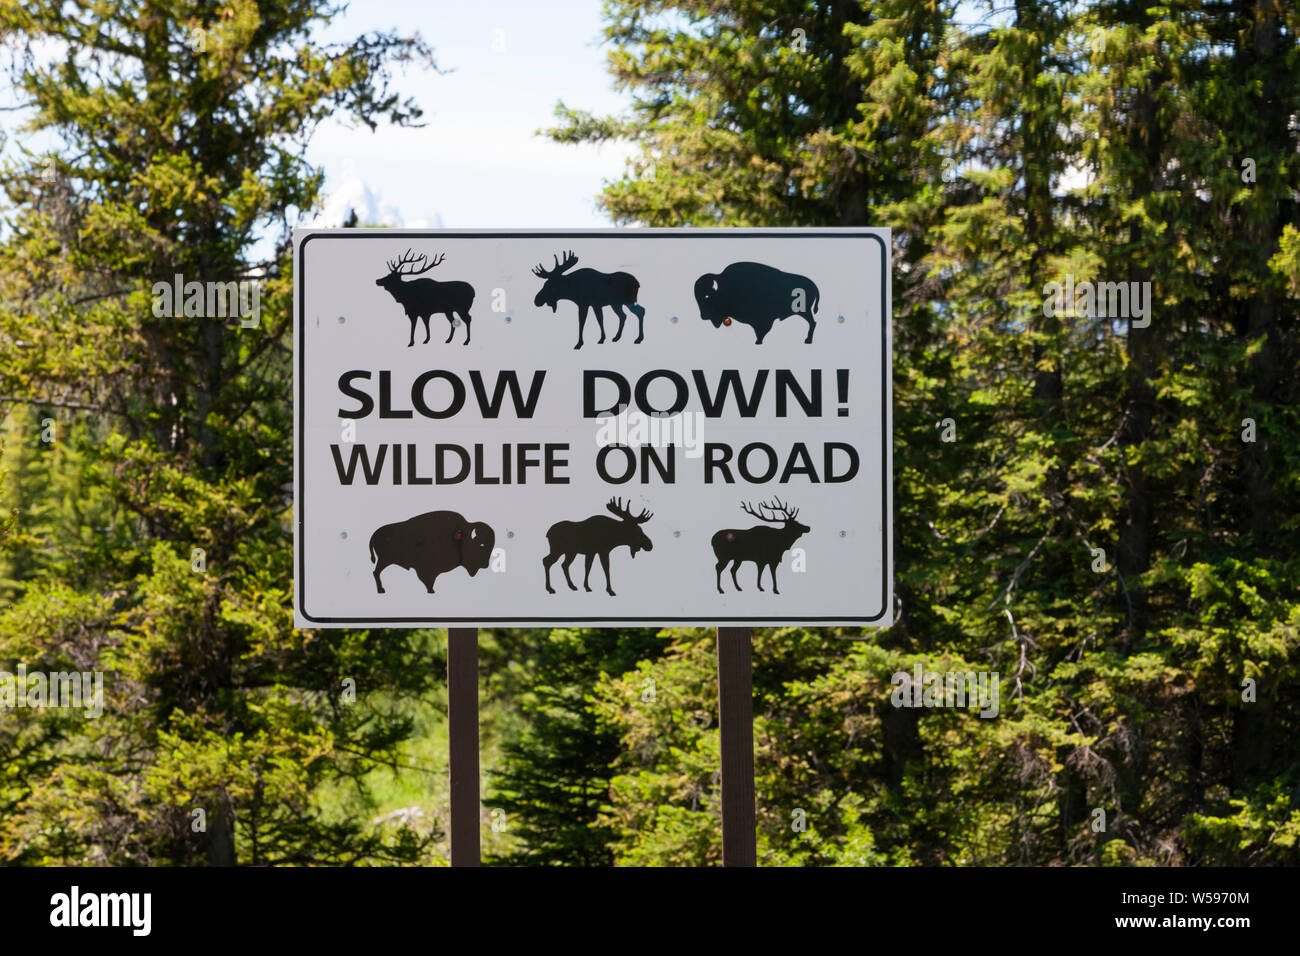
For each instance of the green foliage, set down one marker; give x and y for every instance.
(152, 531)
(1103, 141)
(552, 780)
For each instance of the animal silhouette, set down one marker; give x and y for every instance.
(597, 535)
(421, 298)
(431, 544)
(589, 289)
(761, 544)
(756, 295)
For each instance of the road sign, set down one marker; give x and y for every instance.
(624, 426)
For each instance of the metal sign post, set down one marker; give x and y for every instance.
(736, 725)
(462, 744)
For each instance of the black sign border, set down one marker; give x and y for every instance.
(300, 259)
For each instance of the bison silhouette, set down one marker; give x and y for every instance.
(756, 295)
(431, 544)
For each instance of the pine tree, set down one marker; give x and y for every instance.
(181, 126)
(552, 781)
(1099, 534)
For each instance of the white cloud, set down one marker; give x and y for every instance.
(353, 193)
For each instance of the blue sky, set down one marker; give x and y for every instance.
(478, 162)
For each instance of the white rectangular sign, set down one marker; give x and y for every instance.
(605, 427)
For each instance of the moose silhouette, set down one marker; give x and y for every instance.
(761, 544)
(431, 544)
(421, 298)
(756, 295)
(589, 289)
(597, 535)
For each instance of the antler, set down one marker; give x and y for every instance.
(616, 506)
(748, 509)
(408, 259)
(783, 511)
(543, 273)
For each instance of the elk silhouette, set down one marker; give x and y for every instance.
(589, 289)
(421, 298)
(597, 535)
(761, 544)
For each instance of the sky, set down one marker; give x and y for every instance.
(478, 161)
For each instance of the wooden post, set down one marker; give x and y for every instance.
(736, 724)
(462, 743)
